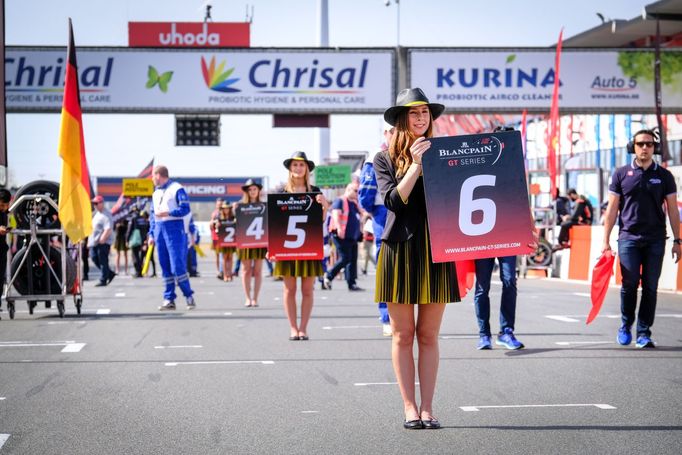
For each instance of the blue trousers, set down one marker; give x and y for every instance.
(171, 246)
(378, 231)
(484, 272)
(348, 259)
(647, 256)
(100, 257)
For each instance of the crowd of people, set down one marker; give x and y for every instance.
(386, 212)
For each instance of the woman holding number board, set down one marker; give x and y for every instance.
(406, 276)
(252, 257)
(224, 227)
(300, 167)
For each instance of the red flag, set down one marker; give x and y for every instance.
(524, 125)
(601, 275)
(466, 272)
(75, 209)
(554, 122)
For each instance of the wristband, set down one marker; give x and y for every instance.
(678, 241)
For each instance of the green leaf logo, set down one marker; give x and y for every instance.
(162, 80)
(511, 58)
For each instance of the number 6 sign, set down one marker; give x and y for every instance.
(476, 197)
(295, 226)
(252, 226)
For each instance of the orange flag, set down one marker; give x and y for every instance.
(75, 210)
(601, 275)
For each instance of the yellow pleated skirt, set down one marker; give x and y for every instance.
(303, 268)
(406, 273)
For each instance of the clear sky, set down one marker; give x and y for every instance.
(123, 144)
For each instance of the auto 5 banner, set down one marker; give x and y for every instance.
(295, 226)
(252, 226)
(499, 80)
(476, 197)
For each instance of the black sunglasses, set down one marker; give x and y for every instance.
(644, 144)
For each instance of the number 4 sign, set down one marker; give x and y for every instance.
(295, 226)
(476, 197)
(252, 229)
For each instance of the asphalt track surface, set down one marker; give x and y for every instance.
(224, 379)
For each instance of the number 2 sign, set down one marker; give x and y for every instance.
(476, 197)
(294, 226)
(226, 233)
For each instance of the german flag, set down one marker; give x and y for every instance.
(75, 210)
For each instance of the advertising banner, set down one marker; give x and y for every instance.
(295, 226)
(335, 175)
(476, 197)
(492, 80)
(188, 34)
(252, 226)
(137, 187)
(226, 230)
(203, 80)
(199, 189)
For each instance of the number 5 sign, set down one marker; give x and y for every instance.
(252, 226)
(295, 226)
(476, 197)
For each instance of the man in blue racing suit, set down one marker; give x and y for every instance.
(370, 201)
(170, 204)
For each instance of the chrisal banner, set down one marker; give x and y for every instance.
(188, 34)
(252, 226)
(226, 230)
(476, 197)
(295, 227)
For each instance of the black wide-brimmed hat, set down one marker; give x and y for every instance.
(299, 156)
(251, 182)
(408, 98)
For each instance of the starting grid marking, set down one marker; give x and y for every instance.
(189, 346)
(3, 439)
(478, 408)
(221, 362)
(69, 346)
(351, 327)
(580, 317)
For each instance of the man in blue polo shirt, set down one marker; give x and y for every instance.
(638, 192)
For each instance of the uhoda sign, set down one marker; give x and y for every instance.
(189, 80)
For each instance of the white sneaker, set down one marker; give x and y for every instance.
(387, 331)
(191, 304)
(167, 305)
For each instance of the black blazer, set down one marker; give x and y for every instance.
(402, 220)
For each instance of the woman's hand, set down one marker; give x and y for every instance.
(322, 200)
(418, 148)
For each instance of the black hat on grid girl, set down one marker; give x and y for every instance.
(251, 182)
(299, 156)
(408, 98)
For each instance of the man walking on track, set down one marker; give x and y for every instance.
(169, 206)
(637, 194)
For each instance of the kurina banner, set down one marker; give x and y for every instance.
(503, 80)
(476, 197)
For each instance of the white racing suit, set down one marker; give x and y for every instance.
(170, 237)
